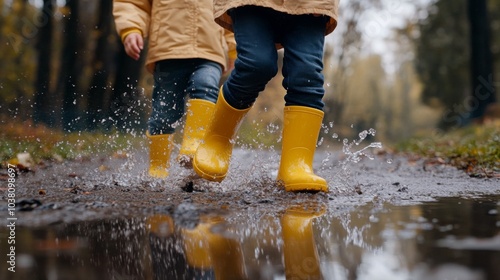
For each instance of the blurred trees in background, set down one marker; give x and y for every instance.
(63, 65)
(364, 90)
(43, 106)
(442, 54)
(455, 58)
(438, 77)
(482, 93)
(17, 58)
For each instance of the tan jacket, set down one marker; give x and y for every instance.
(294, 7)
(175, 29)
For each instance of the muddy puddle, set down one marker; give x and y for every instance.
(451, 238)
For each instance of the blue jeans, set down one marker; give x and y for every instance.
(257, 30)
(174, 80)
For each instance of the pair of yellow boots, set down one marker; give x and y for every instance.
(206, 250)
(210, 160)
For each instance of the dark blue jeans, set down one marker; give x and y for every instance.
(174, 80)
(257, 30)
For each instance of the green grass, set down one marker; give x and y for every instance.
(474, 149)
(44, 144)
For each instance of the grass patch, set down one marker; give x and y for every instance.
(474, 149)
(43, 143)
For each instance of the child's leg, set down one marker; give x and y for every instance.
(303, 41)
(167, 108)
(170, 78)
(203, 88)
(204, 80)
(256, 63)
(255, 66)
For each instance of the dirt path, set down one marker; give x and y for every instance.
(106, 187)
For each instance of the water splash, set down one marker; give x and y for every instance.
(356, 156)
(352, 153)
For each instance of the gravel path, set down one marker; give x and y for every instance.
(106, 187)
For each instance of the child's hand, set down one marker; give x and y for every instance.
(133, 44)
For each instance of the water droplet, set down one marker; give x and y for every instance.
(363, 134)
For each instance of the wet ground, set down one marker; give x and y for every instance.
(388, 217)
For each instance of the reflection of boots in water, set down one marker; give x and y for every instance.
(167, 263)
(301, 256)
(205, 249)
(196, 247)
(160, 225)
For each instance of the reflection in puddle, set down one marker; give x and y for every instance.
(447, 239)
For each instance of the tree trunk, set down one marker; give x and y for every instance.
(483, 92)
(2, 19)
(101, 65)
(43, 109)
(68, 76)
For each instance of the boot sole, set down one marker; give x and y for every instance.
(303, 187)
(207, 176)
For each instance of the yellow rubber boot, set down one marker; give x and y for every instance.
(160, 147)
(211, 160)
(198, 117)
(299, 247)
(301, 127)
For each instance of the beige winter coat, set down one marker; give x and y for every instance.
(294, 7)
(175, 29)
